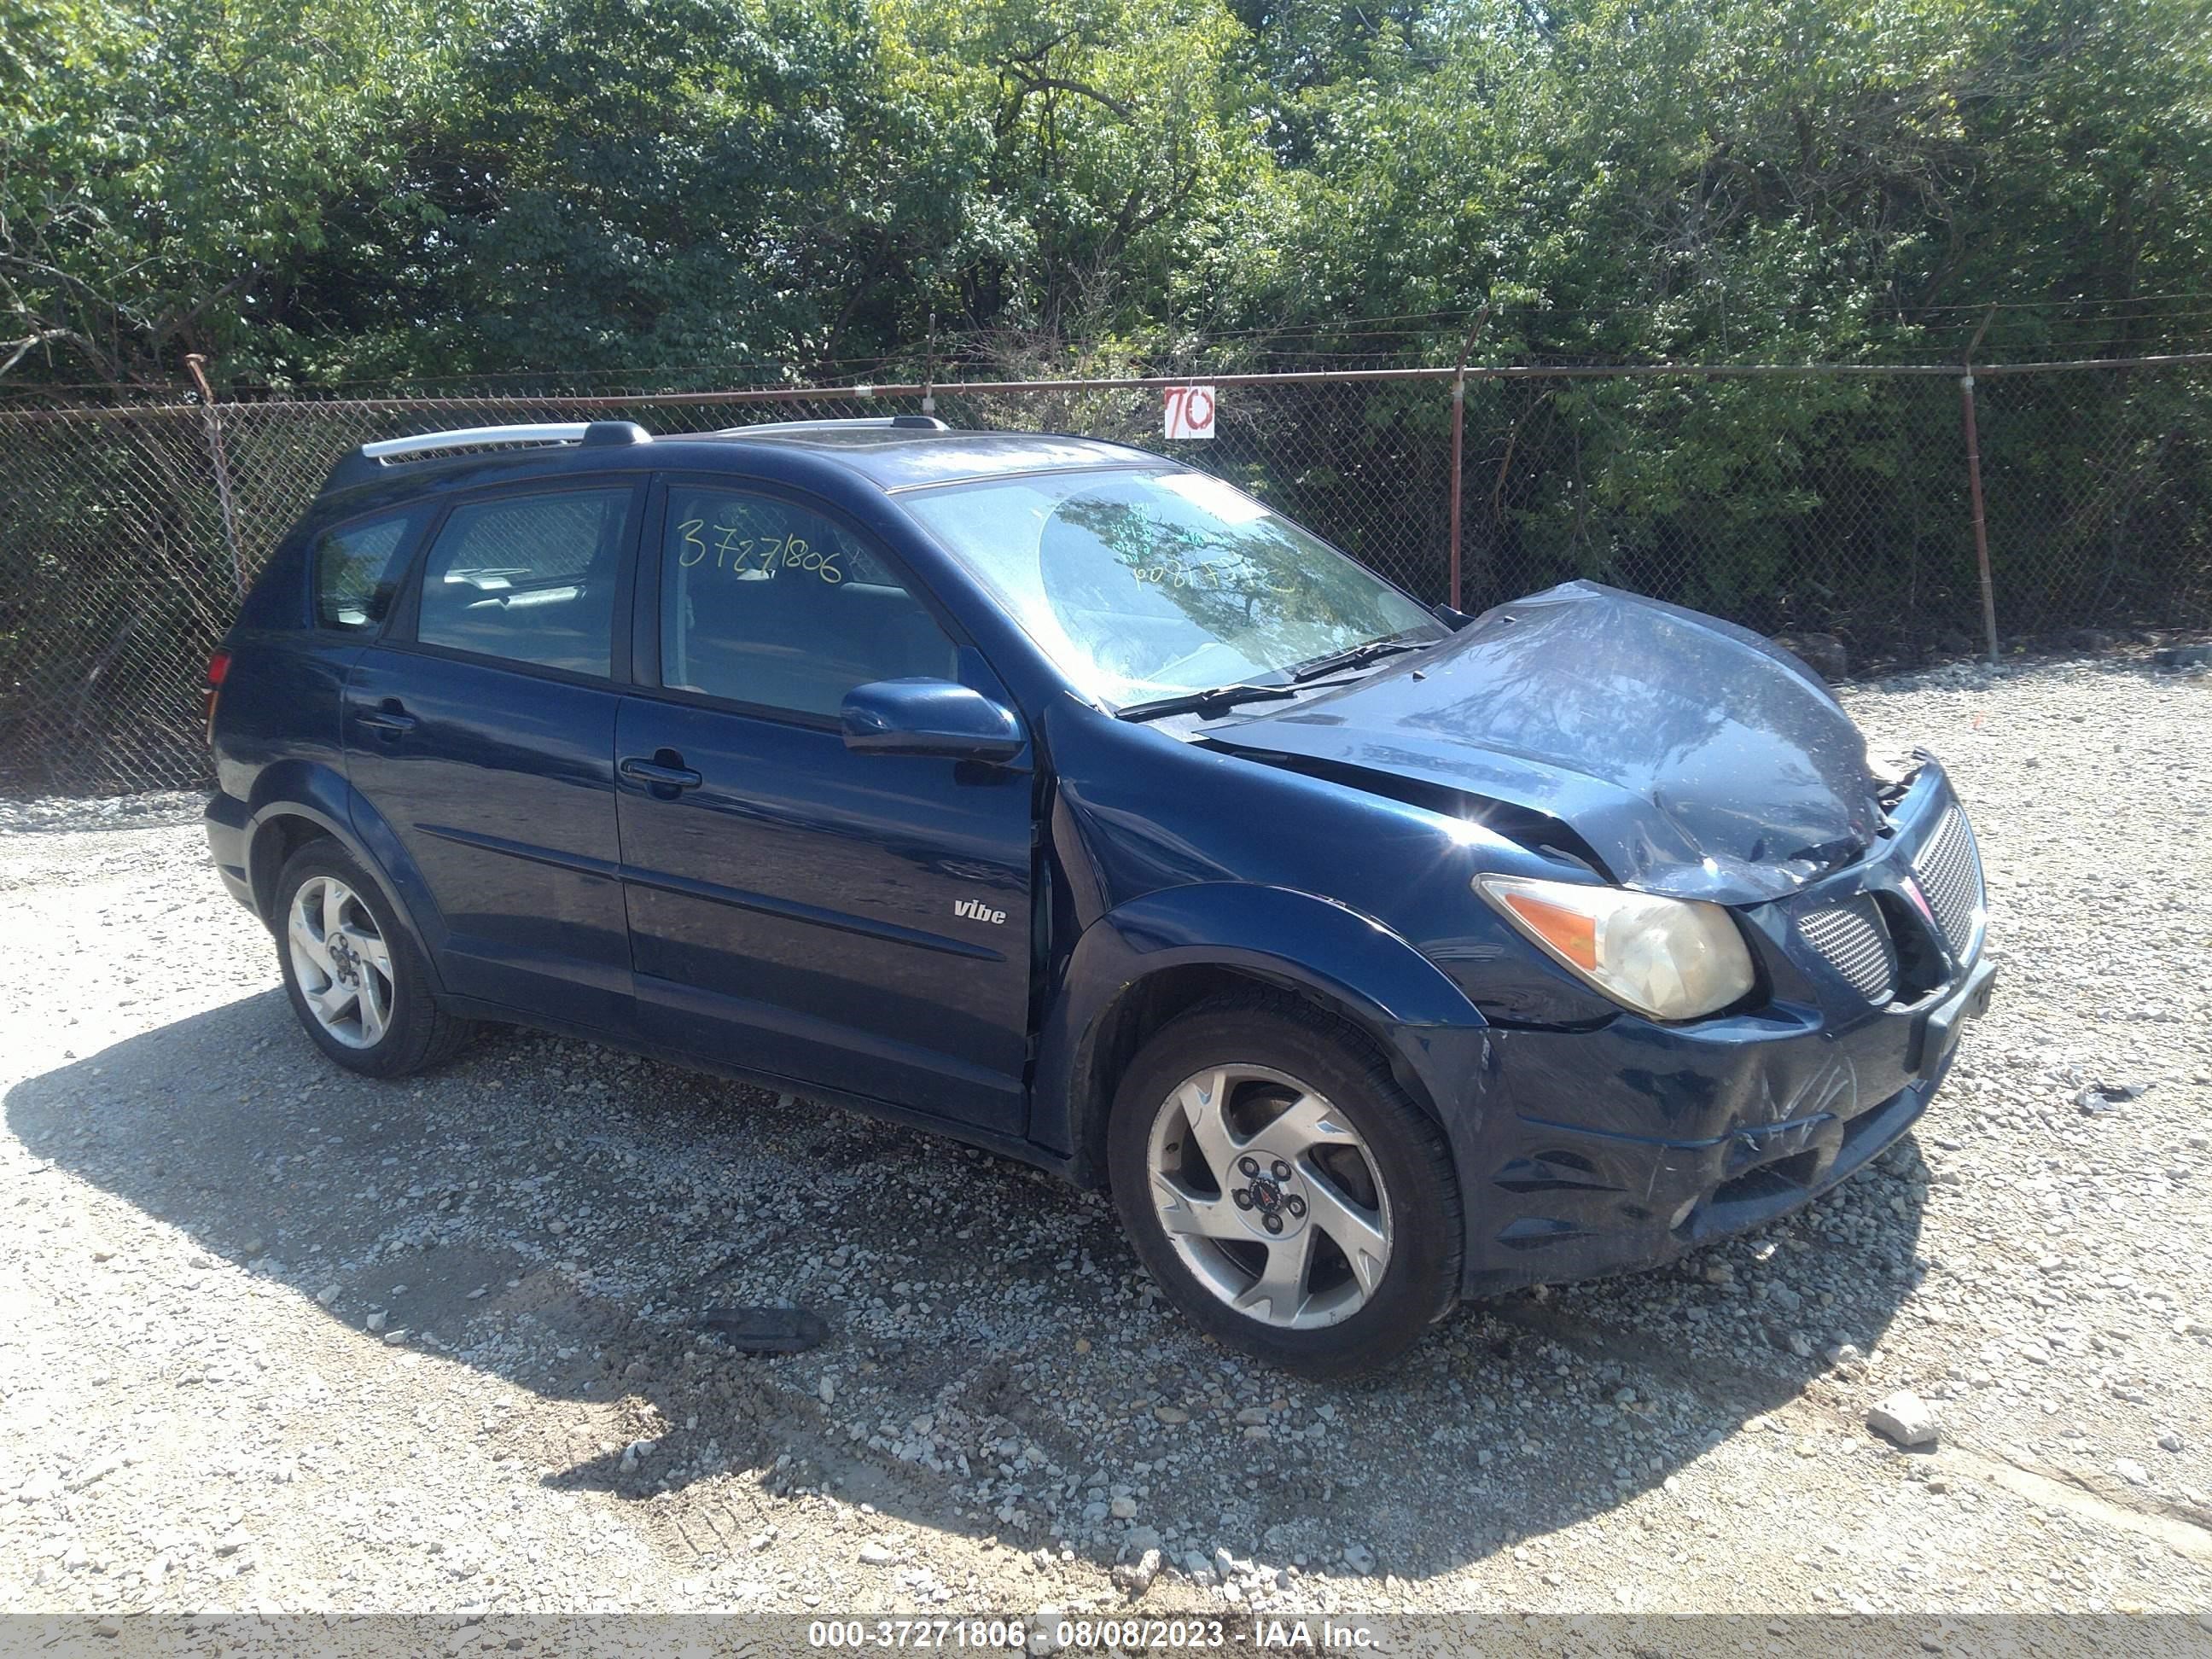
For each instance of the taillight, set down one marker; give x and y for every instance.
(218, 669)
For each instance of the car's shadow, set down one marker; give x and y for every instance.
(558, 1215)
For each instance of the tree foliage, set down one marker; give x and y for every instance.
(330, 189)
(168, 177)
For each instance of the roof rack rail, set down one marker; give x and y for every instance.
(880, 422)
(371, 459)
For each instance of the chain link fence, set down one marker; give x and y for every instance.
(1830, 503)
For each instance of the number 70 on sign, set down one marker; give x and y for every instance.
(1189, 411)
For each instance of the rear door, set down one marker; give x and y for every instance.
(481, 729)
(861, 922)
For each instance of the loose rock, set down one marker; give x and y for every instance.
(1905, 1418)
(1133, 1578)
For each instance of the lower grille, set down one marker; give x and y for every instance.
(1949, 868)
(1851, 940)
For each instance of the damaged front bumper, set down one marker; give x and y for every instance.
(1603, 1151)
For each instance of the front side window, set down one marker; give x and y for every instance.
(358, 568)
(763, 602)
(1142, 585)
(529, 578)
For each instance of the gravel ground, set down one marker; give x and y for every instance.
(275, 1337)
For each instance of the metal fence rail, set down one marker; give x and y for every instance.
(1831, 501)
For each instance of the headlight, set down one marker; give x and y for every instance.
(1669, 958)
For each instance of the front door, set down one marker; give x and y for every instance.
(859, 922)
(482, 732)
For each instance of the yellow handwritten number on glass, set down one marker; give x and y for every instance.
(729, 543)
(734, 552)
(798, 552)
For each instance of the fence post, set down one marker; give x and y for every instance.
(1974, 485)
(929, 371)
(198, 365)
(1459, 427)
(1981, 524)
(1459, 421)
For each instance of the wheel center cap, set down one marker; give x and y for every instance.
(1269, 1195)
(342, 958)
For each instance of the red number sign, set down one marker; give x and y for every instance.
(1189, 411)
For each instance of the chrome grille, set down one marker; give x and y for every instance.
(1949, 868)
(1851, 940)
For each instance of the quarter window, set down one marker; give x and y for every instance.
(358, 568)
(529, 579)
(765, 602)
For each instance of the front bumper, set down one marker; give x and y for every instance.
(1598, 1151)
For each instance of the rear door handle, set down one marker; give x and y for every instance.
(655, 775)
(390, 717)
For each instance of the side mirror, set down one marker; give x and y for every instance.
(928, 717)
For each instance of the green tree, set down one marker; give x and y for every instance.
(705, 181)
(167, 174)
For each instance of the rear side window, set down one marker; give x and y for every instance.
(358, 568)
(763, 602)
(529, 579)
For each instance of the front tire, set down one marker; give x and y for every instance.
(1282, 1189)
(360, 987)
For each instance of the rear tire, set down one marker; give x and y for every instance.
(360, 987)
(1282, 1189)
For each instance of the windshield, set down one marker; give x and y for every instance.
(1142, 585)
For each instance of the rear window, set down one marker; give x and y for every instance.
(358, 568)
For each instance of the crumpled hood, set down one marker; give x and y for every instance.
(1692, 758)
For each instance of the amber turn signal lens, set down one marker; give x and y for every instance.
(1573, 936)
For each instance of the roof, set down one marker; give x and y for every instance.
(904, 458)
(899, 453)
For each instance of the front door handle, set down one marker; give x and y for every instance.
(392, 717)
(656, 775)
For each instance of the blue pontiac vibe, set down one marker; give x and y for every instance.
(1070, 801)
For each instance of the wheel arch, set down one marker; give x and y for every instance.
(271, 843)
(314, 803)
(1140, 965)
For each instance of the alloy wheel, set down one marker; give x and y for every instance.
(1269, 1196)
(340, 959)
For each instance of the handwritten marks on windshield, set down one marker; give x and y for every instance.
(1176, 576)
(754, 557)
(1236, 571)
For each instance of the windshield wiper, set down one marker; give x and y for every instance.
(1358, 657)
(1215, 700)
(1220, 699)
